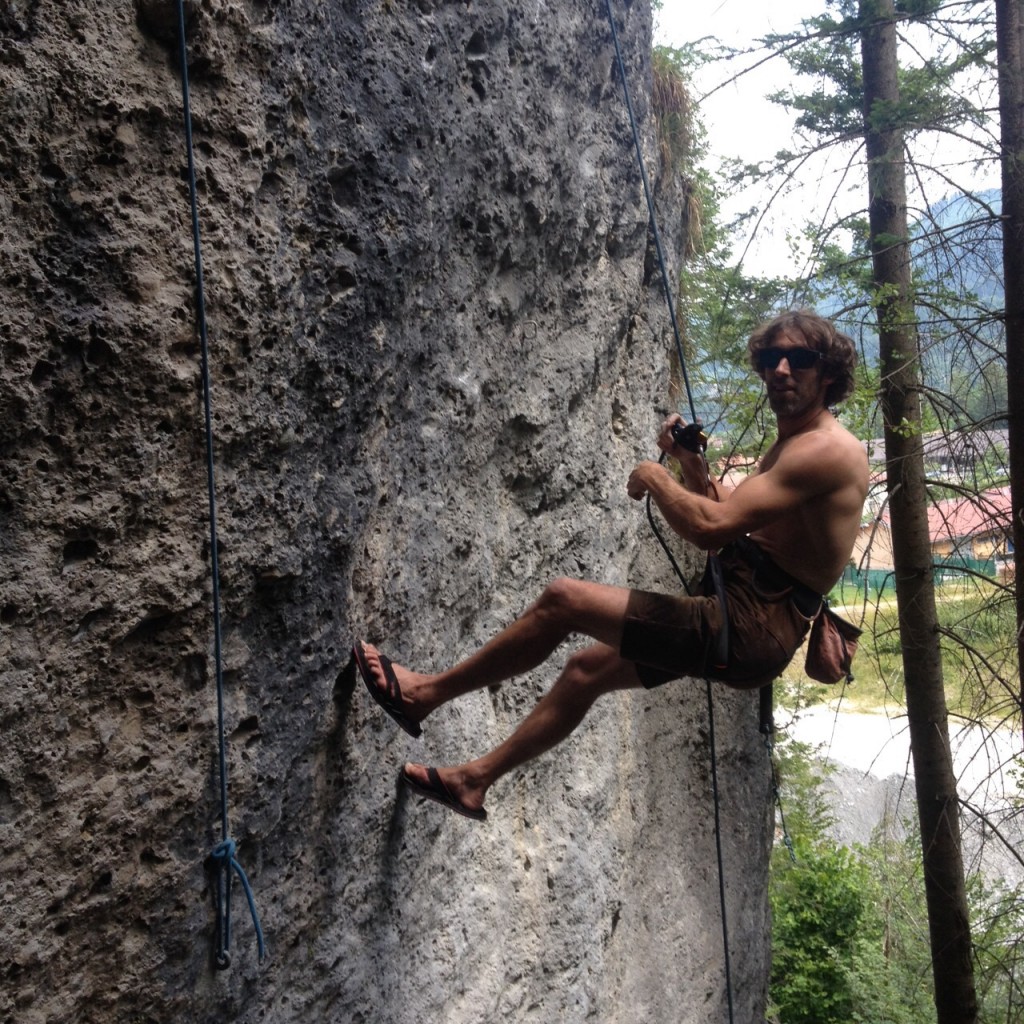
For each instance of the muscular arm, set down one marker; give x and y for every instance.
(805, 468)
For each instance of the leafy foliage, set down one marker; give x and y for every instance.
(673, 109)
(818, 912)
(826, 54)
(818, 904)
(850, 935)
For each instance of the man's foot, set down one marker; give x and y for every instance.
(378, 674)
(428, 783)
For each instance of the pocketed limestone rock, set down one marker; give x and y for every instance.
(435, 355)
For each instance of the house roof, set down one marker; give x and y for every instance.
(967, 516)
(958, 448)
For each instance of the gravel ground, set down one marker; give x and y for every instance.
(872, 781)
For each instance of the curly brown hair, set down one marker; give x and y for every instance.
(839, 354)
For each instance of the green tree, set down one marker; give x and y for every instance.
(817, 914)
(817, 902)
(935, 780)
(892, 962)
(849, 938)
(854, 920)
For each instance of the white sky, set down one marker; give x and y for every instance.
(738, 118)
(740, 122)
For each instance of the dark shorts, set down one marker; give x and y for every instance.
(672, 636)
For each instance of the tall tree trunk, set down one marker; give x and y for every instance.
(1010, 45)
(938, 809)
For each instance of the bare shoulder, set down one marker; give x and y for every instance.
(828, 453)
(833, 437)
(846, 449)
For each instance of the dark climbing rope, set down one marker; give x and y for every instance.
(663, 268)
(768, 731)
(718, 848)
(693, 419)
(653, 217)
(223, 854)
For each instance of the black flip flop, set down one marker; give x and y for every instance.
(436, 790)
(389, 699)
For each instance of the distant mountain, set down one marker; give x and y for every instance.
(958, 246)
(956, 251)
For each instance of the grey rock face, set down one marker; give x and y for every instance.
(436, 354)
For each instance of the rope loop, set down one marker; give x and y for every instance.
(223, 856)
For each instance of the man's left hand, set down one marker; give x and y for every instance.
(640, 479)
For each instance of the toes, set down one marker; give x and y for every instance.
(373, 663)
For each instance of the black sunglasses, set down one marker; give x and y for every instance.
(798, 358)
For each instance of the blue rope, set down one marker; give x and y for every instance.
(223, 854)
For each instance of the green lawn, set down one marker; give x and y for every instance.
(976, 623)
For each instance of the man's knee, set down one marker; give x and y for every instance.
(599, 669)
(559, 599)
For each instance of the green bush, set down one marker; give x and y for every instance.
(817, 913)
(850, 930)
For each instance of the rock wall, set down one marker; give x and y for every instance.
(437, 346)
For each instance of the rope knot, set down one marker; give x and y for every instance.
(223, 855)
(224, 851)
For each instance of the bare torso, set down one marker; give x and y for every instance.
(803, 504)
(814, 540)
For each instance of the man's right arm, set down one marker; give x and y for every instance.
(806, 469)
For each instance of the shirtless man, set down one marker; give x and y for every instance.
(785, 533)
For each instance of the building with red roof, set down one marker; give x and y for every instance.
(968, 528)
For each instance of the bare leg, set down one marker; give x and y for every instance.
(566, 606)
(588, 675)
